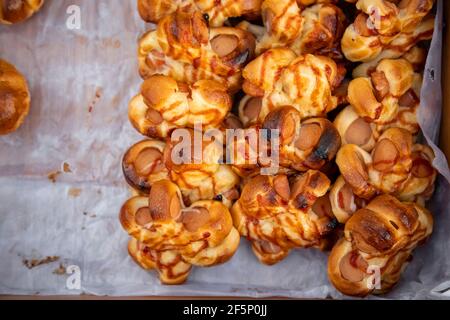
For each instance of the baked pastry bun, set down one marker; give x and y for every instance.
(304, 145)
(186, 49)
(165, 104)
(390, 168)
(301, 145)
(143, 164)
(14, 98)
(316, 29)
(377, 244)
(170, 237)
(385, 28)
(217, 12)
(277, 215)
(280, 78)
(150, 161)
(15, 11)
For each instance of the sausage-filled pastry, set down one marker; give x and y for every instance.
(316, 29)
(199, 179)
(216, 11)
(170, 237)
(301, 145)
(279, 78)
(15, 11)
(186, 49)
(377, 245)
(383, 28)
(165, 104)
(277, 215)
(387, 97)
(14, 98)
(395, 166)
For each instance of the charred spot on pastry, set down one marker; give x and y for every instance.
(327, 147)
(285, 119)
(301, 201)
(370, 233)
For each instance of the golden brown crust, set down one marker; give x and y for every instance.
(15, 11)
(384, 28)
(150, 161)
(164, 105)
(277, 215)
(218, 12)
(390, 168)
(143, 164)
(304, 145)
(301, 145)
(170, 237)
(344, 202)
(314, 29)
(14, 98)
(306, 83)
(185, 48)
(378, 238)
(376, 98)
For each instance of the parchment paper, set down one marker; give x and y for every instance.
(81, 82)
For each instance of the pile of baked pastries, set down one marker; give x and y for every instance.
(339, 81)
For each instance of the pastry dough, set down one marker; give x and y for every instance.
(383, 28)
(164, 105)
(199, 179)
(376, 98)
(316, 29)
(302, 145)
(280, 78)
(186, 49)
(378, 238)
(390, 167)
(386, 97)
(170, 237)
(276, 215)
(344, 202)
(14, 98)
(15, 11)
(217, 11)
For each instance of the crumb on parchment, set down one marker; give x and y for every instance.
(33, 263)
